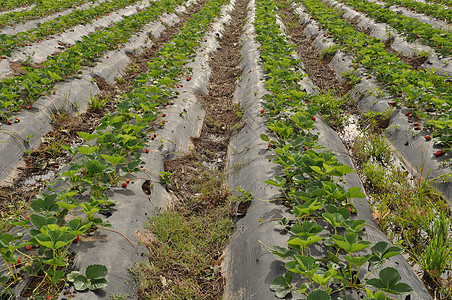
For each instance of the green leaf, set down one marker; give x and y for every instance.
(81, 283)
(355, 192)
(68, 206)
(308, 228)
(71, 276)
(87, 150)
(282, 252)
(297, 242)
(304, 265)
(98, 284)
(55, 262)
(87, 136)
(265, 138)
(96, 271)
(281, 285)
(357, 260)
(343, 169)
(350, 242)
(319, 295)
(388, 282)
(114, 160)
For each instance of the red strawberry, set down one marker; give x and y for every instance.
(29, 106)
(392, 103)
(28, 247)
(313, 118)
(165, 104)
(172, 102)
(127, 180)
(439, 153)
(152, 138)
(417, 128)
(124, 184)
(262, 111)
(188, 78)
(163, 115)
(18, 261)
(49, 297)
(428, 138)
(147, 150)
(9, 122)
(17, 120)
(416, 124)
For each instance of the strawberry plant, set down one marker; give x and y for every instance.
(439, 39)
(59, 24)
(311, 183)
(18, 90)
(93, 279)
(422, 89)
(44, 8)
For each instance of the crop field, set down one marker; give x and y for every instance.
(225, 149)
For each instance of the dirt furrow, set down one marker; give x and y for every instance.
(202, 199)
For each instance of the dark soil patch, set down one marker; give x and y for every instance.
(318, 70)
(415, 62)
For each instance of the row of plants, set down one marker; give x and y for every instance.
(10, 42)
(311, 185)
(444, 2)
(43, 9)
(430, 9)
(410, 213)
(423, 91)
(21, 91)
(13, 4)
(440, 40)
(110, 155)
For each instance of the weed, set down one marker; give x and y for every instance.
(372, 146)
(29, 61)
(184, 254)
(53, 147)
(238, 110)
(378, 120)
(329, 52)
(331, 107)
(244, 196)
(97, 103)
(351, 77)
